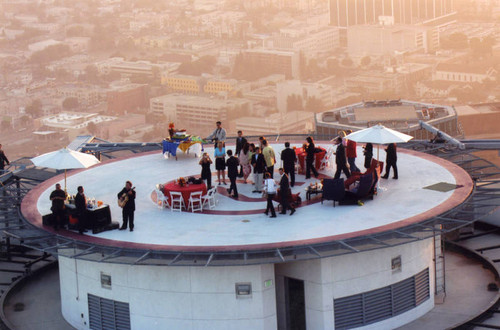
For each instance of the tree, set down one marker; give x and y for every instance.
(70, 103)
(346, 61)
(92, 128)
(365, 61)
(34, 109)
(51, 53)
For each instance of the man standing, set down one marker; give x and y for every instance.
(58, 197)
(289, 158)
(285, 193)
(127, 195)
(240, 142)
(269, 156)
(3, 159)
(352, 154)
(81, 210)
(232, 172)
(259, 166)
(218, 135)
(340, 159)
(391, 159)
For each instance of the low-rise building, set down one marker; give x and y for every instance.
(464, 73)
(294, 122)
(86, 94)
(127, 98)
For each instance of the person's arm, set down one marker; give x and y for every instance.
(211, 136)
(222, 134)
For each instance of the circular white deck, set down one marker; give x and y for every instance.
(241, 223)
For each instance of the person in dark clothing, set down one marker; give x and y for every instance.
(81, 210)
(340, 159)
(391, 159)
(285, 193)
(368, 152)
(311, 149)
(206, 173)
(128, 194)
(58, 197)
(259, 166)
(240, 142)
(289, 158)
(232, 172)
(3, 160)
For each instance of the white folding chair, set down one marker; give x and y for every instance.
(161, 199)
(210, 198)
(195, 201)
(176, 201)
(326, 162)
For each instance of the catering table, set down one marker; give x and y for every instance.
(301, 157)
(185, 190)
(97, 218)
(183, 142)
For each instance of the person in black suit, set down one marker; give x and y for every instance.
(340, 159)
(240, 142)
(58, 208)
(232, 172)
(311, 149)
(129, 208)
(391, 159)
(289, 158)
(259, 167)
(368, 152)
(81, 210)
(285, 193)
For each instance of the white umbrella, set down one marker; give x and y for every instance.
(65, 159)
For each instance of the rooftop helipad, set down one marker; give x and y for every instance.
(241, 224)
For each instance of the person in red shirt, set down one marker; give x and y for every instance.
(351, 155)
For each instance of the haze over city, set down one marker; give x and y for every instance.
(123, 70)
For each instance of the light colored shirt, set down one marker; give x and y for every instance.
(270, 186)
(269, 156)
(219, 134)
(220, 153)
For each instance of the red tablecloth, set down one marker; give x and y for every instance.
(185, 191)
(301, 156)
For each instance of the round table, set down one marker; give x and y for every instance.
(301, 157)
(185, 190)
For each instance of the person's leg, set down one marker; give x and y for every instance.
(292, 177)
(209, 181)
(313, 168)
(395, 168)
(218, 176)
(308, 169)
(131, 220)
(284, 203)
(234, 187)
(346, 171)
(270, 205)
(125, 219)
(258, 183)
(224, 176)
(337, 172)
(387, 170)
(270, 169)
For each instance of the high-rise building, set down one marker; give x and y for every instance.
(345, 13)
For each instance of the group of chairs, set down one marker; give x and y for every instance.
(196, 202)
(358, 187)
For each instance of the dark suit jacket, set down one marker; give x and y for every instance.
(239, 144)
(284, 185)
(80, 203)
(391, 156)
(3, 159)
(258, 164)
(130, 206)
(311, 149)
(232, 167)
(340, 155)
(289, 158)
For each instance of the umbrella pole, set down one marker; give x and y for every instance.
(65, 181)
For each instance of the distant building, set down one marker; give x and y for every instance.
(305, 91)
(401, 115)
(345, 13)
(198, 85)
(380, 40)
(128, 98)
(197, 113)
(85, 94)
(284, 62)
(295, 122)
(72, 124)
(464, 73)
(142, 68)
(41, 45)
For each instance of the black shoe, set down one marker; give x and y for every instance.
(266, 213)
(385, 177)
(273, 216)
(131, 229)
(282, 212)
(293, 211)
(395, 177)
(123, 228)
(228, 191)
(256, 191)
